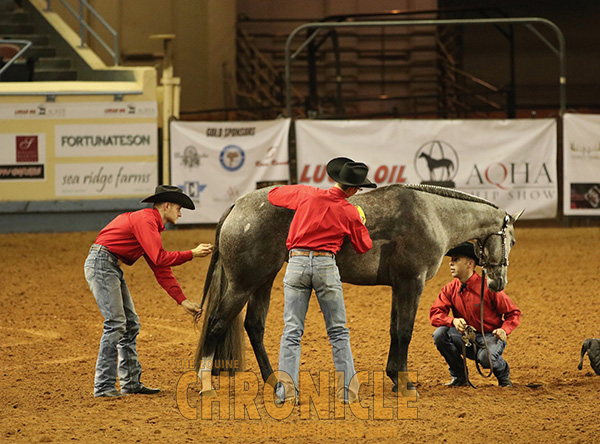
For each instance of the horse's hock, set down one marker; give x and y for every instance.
(51, 327)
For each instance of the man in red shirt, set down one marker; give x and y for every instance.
(322, 219)
(125, 239)
(463, 296)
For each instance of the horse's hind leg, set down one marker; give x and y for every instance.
(406, 295)
(256, 315)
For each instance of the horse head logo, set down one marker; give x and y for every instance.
(439, 165)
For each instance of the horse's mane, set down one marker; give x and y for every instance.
(448, 192)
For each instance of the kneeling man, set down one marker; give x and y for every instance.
(463, 296)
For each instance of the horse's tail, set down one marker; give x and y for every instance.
(228, 352)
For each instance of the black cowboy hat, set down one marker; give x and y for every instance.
(466, 249)
(347, 172)
(170, 193)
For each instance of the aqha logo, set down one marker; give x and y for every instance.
(27, 148)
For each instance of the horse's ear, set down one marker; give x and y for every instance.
(516, 216)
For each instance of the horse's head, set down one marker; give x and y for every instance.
(493, 251)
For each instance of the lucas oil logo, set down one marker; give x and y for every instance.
(232, 157)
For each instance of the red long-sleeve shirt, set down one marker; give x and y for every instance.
(499, 311)
(323, 218)
(131, 235)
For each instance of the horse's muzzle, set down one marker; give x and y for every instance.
(496, 284)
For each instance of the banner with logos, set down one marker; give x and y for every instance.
(22, 157)
(511, 163)
(75, 150)
(581, 165)
(216, 162)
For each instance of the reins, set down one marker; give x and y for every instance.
(483, 332)
(469, 334)
(469, 339)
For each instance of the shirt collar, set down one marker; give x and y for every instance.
(161, 226)
(337, 192)
(472, 281)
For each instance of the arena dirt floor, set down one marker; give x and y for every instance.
(50, 328)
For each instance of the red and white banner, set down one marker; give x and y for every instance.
(509, 162)
(216, 162)
(581, 165)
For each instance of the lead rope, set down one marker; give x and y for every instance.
(483, 332)
(468, 339)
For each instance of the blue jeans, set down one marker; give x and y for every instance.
(303, 274)
(121, 323)
(449, 343)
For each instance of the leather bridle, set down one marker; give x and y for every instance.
(483, 260)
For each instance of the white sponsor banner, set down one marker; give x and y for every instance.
(105, 179)
(216, 162)
(509, 162)
(20, 148)
(93, 140)
(78, 110)
(581, 164)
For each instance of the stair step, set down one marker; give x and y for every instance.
(13, 17)
(42, 75)
(53, 63)
(40, 51)
(35, 39)
(16, 28)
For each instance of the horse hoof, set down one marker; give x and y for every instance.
(410, 392)
(208, 393)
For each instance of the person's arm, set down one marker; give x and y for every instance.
(359, 236)
(166, 279)
(509, 310)
(147, 234)
(286, 196)
(439, 313)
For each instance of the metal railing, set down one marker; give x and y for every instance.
(315, 28)
(83, 26)
(26, 44)
(259, 84)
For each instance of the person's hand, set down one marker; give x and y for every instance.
(202, 250)
(460, 324)
(500, 334)
(192, 308)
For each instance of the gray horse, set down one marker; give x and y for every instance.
(412, 227)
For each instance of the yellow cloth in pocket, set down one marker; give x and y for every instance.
(362, 214)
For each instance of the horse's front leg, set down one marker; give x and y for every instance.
(406, 294)
(256, 315)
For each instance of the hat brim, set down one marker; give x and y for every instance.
(172, 197)
(333, 171)
(465, 251)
